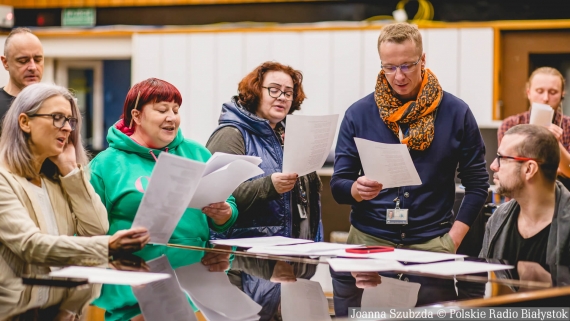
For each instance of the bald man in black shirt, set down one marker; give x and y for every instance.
(24, 60)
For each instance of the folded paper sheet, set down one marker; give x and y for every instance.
(364, 265)
(308, 142)
(403, 255)
(171, 186)
(260, 241)
(307, 249)
(391, 293)
(216, 297)
(457, 267)
(107, 276)
(389, 164)
(220, 184)
(163, 300)
(541, 114)
(304, 300)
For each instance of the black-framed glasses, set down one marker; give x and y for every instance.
(275, 92)
(59, 120)
(515, 158)
(405, 68)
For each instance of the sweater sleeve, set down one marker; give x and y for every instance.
(224, 227)
(86, 205)
(347, 166)
(229, 140)
(472, 171)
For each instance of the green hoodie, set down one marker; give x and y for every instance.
(120, 175)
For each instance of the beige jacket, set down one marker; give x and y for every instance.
(26, 248)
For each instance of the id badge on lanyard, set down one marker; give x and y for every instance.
(397, 215)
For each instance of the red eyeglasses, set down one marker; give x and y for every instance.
(515, 158)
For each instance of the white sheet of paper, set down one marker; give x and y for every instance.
(219, 160)
(364, 265)
(214, 291)
(108, 276)
(541, 114)
(163, 300)
(307, 249)
(457, 267)
(260, 241)
(304, 300)
(389, 164)
(171, 186)
(391, 293)
(403, 255)
(308, 141)
(220, 184)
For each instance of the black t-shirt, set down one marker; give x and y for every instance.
(5, 103)
(532, 249)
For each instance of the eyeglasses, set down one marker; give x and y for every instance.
(405, 68)
(276, 93)
(515, 158)
(59, 120)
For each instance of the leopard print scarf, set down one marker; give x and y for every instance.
(419, 114)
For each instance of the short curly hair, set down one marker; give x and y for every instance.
(249, 88)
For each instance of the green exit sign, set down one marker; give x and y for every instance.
(78, 17)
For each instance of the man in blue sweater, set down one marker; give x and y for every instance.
(409, 107)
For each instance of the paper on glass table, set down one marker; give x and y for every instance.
(389, 164)
(108, 276)
(219, 160)
(456, 267)
(260, 241)
(403, 255)
(308, 142)
(220, 184)
(541, 114)
(163, 299)
(364, 265)
(214, 291)
(391, 293)
(304, 300)
(307, 249)
(170, 188)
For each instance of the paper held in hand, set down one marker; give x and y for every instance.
(308, 141)
(177, 183)
(541, 114)
(389, 164)
(171, 186)
(223, 174)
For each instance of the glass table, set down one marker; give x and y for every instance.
(264, 277)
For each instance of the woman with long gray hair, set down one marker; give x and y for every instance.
(49, 213)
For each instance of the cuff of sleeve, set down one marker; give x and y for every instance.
(270, 188)
(73, 172)
(226, 225)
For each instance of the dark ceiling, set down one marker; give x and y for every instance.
(299, 12)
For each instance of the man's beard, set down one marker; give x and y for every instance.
(510, 191)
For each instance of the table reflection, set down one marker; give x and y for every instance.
(278, 273)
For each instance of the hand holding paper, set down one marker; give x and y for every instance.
(219, 184)
(366, 189)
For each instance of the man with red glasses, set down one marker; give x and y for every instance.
(532, 230)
